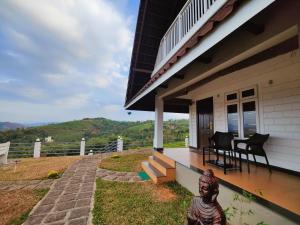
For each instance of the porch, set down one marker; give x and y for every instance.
(280, 190)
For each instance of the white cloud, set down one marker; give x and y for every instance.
(75, 101)
(21, 40)
(111, 109)
(72, 54)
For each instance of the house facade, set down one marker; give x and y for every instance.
(233, 66)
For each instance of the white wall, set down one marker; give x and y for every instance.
(278, 109)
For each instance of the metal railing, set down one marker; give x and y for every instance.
(20, 150)
(60, 149)
(191, 13)
(50, 149)
(95, 148)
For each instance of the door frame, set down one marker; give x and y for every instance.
(197, 118)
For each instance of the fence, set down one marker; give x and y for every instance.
(51, 149)
(45, 149)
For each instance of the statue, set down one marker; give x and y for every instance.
(205, 210)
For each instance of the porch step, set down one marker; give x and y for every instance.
(163, 167)
(156, 176)
(165, 159)
(160, 168)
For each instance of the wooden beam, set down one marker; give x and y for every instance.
(254, 28)
(176, 94)
(142, 70)
(178, 101)
(165, 86)
(205, 59)
(179, 76)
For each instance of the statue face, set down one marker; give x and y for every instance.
(204, 189)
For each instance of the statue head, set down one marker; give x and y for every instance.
(208, 186)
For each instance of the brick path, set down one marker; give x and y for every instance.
(25, 184)
(117, 176)
(70, 199)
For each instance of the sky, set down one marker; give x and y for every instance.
(66, 60)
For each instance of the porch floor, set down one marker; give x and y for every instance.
(279, 188)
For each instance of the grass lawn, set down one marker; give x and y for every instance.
(30, 168)
(118, 203)
(125, 163)
(177, 144)
(16, 205)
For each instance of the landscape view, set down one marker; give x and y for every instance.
(149, 112)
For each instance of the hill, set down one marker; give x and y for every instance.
(10, 126)
(99, 131)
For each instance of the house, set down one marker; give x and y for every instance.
(48, 139)
(234, 66)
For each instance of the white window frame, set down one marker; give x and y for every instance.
(238, 113)
(242, 114)
(239, 102)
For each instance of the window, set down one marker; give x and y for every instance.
(233, 119)
(231, 97)
(241, 111)
(249, 118)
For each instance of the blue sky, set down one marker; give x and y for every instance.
(66, 60)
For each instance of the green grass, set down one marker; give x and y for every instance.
(119, 203)
(125, 163)
(175, 144)
(39, 193)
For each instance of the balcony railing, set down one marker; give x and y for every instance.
(193, 15)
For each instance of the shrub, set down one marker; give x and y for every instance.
(53, 174)
(115, 156)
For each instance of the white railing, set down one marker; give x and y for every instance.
(193, 14)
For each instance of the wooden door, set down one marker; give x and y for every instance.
(205, 121)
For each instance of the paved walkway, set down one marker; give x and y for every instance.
(117, 176)
(70, 199)
(25, 184)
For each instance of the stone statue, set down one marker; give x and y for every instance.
(205, 210)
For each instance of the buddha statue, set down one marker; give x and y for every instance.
(205, 210)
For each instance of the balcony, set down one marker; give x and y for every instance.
(193, 16)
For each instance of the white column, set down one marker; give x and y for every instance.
(37, 149)
(158, 124)
(120, 144)
(186, 141)
(82, 147)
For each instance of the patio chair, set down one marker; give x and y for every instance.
(220, 141)
(254, 146)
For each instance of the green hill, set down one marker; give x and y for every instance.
(100, 131)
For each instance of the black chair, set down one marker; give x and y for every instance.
(220, 141)
(254, 146)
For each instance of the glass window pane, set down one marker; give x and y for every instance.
(249, 117)
(248, 93)
(231, 97)
(232, 119)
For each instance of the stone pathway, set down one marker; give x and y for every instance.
(25, 184)
(70, 199)
(118, 176)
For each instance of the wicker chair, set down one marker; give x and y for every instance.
(254, 146)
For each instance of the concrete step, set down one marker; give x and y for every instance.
(155, 175)
(162, 167)
(164, 158)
